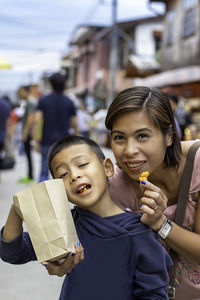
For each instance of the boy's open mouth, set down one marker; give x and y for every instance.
(83, 188)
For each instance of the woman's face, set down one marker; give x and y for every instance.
(137, 144)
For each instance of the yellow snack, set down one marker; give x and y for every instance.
(144, 176)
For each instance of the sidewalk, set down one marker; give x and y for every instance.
(30, 281)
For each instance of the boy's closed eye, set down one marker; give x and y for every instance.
(63, 175)
(83, 165)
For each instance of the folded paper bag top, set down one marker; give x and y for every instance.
(45, 210)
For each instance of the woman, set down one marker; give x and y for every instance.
(144, 138)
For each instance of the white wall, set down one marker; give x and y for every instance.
(144, 40)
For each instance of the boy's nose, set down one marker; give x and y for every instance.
(75, 177)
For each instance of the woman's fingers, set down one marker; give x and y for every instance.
(153, 203)
(154, 196)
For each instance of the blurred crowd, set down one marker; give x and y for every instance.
(41, 115)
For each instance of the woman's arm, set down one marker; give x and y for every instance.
(183, 241)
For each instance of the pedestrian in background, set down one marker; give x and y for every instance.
(182, 118)
(4, 117)
(55, 115)
(83, 118)
(27, 127)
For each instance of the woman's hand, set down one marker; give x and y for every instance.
(66, 265)
(153, 203)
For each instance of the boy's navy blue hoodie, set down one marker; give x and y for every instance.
(123, 259)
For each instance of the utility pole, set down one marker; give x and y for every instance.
(113, 53)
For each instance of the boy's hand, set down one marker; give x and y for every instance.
(67, 264)
(13, 227)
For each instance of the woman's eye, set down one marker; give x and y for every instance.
(63, 175)
(118, 137)
(142, 136)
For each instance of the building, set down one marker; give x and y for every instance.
(180, 54)
(88, 62)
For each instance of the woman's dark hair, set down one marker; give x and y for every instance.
(158, 107)
(68, 141)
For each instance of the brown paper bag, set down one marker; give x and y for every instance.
(45, 210)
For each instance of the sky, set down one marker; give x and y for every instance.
(35, 34)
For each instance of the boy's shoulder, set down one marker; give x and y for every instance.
(131, 221)
(124, 223)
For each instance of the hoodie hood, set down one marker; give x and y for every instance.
(114, 226)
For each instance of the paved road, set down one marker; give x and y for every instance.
(30, 281)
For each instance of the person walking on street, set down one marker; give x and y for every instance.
(55, 115)
(4, 117)
(27, 127)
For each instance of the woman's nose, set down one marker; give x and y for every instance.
(131, 148)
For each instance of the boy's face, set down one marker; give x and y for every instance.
(83, 174)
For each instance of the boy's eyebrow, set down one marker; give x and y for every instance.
(137, 131)
(79, 156)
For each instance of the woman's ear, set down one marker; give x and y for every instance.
(108, 167)
(169, 138)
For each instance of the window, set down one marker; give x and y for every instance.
(190, 16)
(187, 4)
(170, 29)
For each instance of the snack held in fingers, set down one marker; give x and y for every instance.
(144, 176)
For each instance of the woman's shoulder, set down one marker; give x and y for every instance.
(120, 177)
(121, 189)
(185, 145)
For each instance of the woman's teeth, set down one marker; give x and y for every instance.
(135, 165)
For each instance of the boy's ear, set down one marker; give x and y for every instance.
(108, 167)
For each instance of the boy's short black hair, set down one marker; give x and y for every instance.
(68, 141)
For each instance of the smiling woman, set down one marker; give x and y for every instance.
(144, 138)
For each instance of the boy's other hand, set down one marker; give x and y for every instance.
(66, 265)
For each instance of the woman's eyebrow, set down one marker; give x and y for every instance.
(116, 131)
(137, 131)
(143, 129)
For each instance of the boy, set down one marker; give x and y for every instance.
(123, 259)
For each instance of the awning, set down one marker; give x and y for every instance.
(172, 77)
(144, 63)
(4, 64)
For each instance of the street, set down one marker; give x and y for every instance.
(30, 281)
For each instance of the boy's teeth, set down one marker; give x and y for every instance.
(82, 189)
